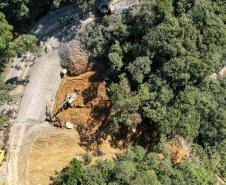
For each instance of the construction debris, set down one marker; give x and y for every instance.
(9, 111)
(63, 72)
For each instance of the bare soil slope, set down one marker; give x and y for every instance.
(179, 151)
(91, 108)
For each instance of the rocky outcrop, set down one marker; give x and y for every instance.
(74, 59)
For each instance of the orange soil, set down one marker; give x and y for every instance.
(90, 109)
(178, 152)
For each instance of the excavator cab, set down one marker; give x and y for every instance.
(70, 98)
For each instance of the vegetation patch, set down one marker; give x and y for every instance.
(136, 166)
(157, 61)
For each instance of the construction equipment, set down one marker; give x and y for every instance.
(2, 156)
(70, 98)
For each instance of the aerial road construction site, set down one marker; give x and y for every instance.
(54, 113)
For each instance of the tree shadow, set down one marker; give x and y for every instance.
(146, 135)
(65, 25)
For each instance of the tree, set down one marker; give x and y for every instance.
(99, 173)
(162, 61)
(71, 175)
(125, 172)
(16, 11)
(10, 47)
(183, 6)
(194, 174)
(23, 44)
(146, 177)
(5, 39)
(116, 61)
(139, 68)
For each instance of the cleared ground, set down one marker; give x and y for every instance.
(39, 92)
(91, 107)
(51, 153)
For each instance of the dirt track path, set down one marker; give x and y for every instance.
(44, 82)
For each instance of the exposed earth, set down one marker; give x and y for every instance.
(51, 152)
(30, 122)
(91, 107)
(29, 133)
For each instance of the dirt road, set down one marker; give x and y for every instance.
(44, 81)
(41, 90)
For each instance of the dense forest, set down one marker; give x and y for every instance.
(157, 60)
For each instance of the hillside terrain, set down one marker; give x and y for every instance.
(113, 92)
(157, 61)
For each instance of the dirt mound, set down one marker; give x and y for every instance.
(178, 150)
(74, 59)
(91, 107)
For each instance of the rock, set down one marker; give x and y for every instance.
(74, 59)
(69, 125)
(214, 76)
(9, 111)
(63, 71)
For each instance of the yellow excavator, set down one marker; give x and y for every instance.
(2, 156)
(70, 98)
(67, 102)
